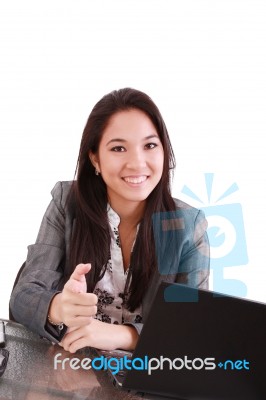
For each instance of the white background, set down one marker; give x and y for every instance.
(202, 62)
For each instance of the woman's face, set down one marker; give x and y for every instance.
(130, 157)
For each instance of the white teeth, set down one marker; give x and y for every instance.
(139, 179)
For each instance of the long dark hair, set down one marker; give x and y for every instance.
(91, 236)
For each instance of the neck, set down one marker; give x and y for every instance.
(130, 214)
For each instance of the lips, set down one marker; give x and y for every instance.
(135, 179)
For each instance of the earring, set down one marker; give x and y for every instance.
(96, 172)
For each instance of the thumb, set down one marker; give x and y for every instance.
(77, 281)
(80, 271)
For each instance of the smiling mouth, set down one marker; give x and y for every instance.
(135, 179)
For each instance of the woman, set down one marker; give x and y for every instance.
(109, 237)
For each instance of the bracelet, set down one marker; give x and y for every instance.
(60, 325)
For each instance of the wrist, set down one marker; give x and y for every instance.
(127, 337)
(60, 325)
(54, 314)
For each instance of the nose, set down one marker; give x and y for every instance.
(136, 159)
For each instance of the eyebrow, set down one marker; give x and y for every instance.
(123, 140)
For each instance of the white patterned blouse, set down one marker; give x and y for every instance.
(111, 288)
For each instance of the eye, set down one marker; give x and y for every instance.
(150, 146)
(118, 149)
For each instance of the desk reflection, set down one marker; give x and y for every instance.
(30, 373)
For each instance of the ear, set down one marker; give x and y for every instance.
(94, 160)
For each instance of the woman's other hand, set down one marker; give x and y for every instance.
(100, 335)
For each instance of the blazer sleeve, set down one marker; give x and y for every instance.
(43, 271)
(194, 265)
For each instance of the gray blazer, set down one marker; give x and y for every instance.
(184, 259)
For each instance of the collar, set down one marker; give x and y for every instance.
(113, 217)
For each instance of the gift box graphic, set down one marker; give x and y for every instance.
(226, 236)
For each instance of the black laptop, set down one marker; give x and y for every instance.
(196, 345)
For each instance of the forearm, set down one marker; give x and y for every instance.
(126, 337)
(101, 335)
(29, 306)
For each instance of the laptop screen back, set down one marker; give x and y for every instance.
(198, 345)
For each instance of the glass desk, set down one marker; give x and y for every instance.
(30, 373)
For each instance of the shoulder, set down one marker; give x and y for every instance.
(61, 190)
(184, 218)
(61, 193)
(187, 211)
